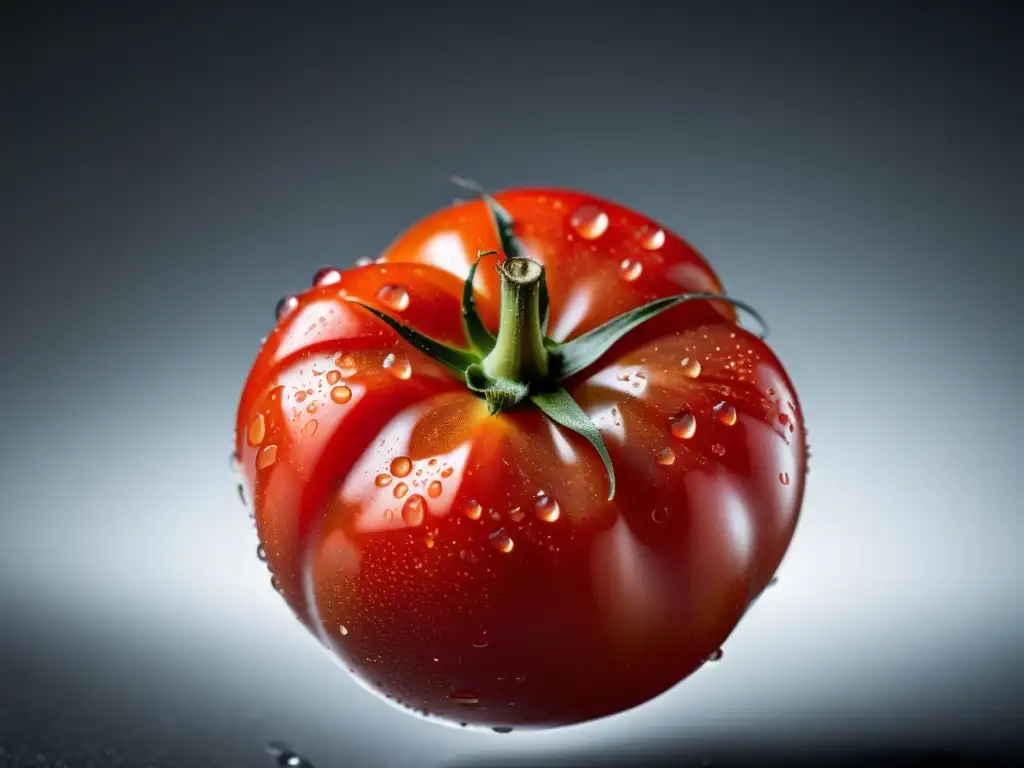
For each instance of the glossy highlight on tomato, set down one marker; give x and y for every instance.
(461, 550)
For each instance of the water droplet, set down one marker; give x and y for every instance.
(389, 515)
(520, 678)
(471, 554)
(547, 509)
(311, 408)
(343, 629)
(266, 457)
(412, 510)
(466, 698)
(341, 394)
(434, 489)
(501, 541)
(432, 463)
(401, 466)
(716, 656)
(333, 377)
(430, 541)
(394, 296)
(718, 449)
(516, 515)
(326, 276)
(502, 729)
(398, 366)
(447, 472)
(383, 481)
(660, 515)
(364, 261)
(783, 419)
(784, 478)
(241, 495)
(286, 756)
(630, 269)
(684, 425)
(590, 222)
(667, 456)
(773, 581)
(651, 237)
(346, 366)
(310, 429)
(261, 553)
(257, 430)
(285, 307)
(725, 413)
(481, 640)
(400, 490)
(300, 396)
(473, 509)
(691, 367)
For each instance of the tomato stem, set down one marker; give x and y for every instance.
(519, 353)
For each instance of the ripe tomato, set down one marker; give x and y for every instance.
(460, 553)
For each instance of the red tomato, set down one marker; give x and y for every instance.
(471, 565)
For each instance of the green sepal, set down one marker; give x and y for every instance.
(500, 394)
(456, 359)
(575, 355)
(476, 333)
(559, 406)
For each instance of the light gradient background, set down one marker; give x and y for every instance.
(852, 169)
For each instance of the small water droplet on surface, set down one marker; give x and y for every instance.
(716, 656)
(383, 481)
(343, 629)
(300, 396)
(783, 419)
(684, 425)
(651, 237)
(516, 515)
(241, 495)
(346, 366)
(667, 457)
(660, 515)
(234, 462)
(266, 457)
(394, 296)
(691, 367)
(333, 377)
(481, 640)
(341, 394)
(401, 466)
(590, 222)
(784, 478)
(398, 366)
(473, 509)
(261, 553)
(471, 554)
(502, 729)
(326, 276)
(718, 449)
(285, 307)
(400, 490)
(287, 757)
(773, 581)
(547, 509)
(447, 472)
(630, 269)
(434, 489)
(412, 510)
(257, 430)
(364, 261)
(466, 697)
(501, 541)
(725, 413)
(310, 429)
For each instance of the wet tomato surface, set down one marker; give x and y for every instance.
(470, 563)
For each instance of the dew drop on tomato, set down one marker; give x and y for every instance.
(473, 509)
(501, 541)
(401, 466)
(784, 478)
(346, 366)
(300, 396)
(465, 697)
(266, 457)
(257, 430)
(364, 261)
(481, 640)
(717, 655)
(341, 394)
(398, 366)
(684, 425)
(326, 276)
(261, 553)
(502, 729)
(660, 515)
(651, 238)
(725, 413)
(343, 629)
(547, 509)
(333, 377)
(412, 510)
(400, 491)
(383, 481)
(310, 429)
(691, 367)
(470, 555)
(434, 489)
(667, 457)
(718, 449)
(394, 297)
(590, 222)
(630, 269)
(285, 307)
(447, 472)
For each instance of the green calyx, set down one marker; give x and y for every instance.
(521, 366)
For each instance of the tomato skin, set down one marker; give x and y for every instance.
(471, 565)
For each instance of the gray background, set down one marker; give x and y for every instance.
(852, 169)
